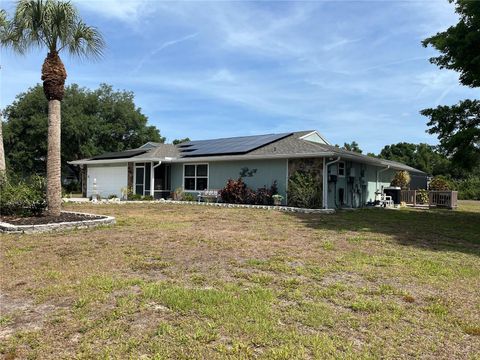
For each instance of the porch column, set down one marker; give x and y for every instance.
(152, 180)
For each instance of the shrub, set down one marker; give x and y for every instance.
(236, 192)
(441, 183)
(72, 187)
(24, 197)
(112, 196)
(264, 196)
(401, 179)
(422, 196)
(469, 188)
(304, 191)
(186, 196)
(147, 198)
(132, 196)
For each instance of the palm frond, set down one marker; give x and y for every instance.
(86, 41)
(54, 24)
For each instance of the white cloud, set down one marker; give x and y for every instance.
(125, 10)
(163, 46)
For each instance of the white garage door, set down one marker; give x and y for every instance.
(109, 180)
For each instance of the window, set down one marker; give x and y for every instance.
(341, 169)
(195, 177)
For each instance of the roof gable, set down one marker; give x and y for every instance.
(315, 137)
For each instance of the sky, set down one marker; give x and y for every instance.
(353, 70)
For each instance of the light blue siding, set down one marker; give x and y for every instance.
(267, 171)
(361, 189)
(357, 192)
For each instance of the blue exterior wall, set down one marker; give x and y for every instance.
(219, 172)
(357, 192)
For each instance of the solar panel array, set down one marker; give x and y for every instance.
(228, 146)
(119, 154)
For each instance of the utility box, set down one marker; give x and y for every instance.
(394, 192)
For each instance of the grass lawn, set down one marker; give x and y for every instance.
(173, 281)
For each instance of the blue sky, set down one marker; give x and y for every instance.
(354, 70)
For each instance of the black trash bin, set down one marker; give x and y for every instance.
(394, 192)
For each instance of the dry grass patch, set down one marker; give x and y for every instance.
(174, 281)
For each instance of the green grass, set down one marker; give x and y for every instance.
(182, 282)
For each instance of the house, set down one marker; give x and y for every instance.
(348, 179)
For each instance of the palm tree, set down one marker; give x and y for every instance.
(56, 26)
(3, 33)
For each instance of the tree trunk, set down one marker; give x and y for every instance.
(53, 76)
(54, 183)
(2, 153)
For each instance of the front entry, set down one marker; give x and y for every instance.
(152, 179)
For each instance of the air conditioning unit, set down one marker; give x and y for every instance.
(351, 172)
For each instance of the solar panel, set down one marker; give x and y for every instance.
(228, 146)
(119, 154)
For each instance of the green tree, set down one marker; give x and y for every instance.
(459, 44)
(55, 26)
(93, 122)
(179, 141)
(353, 146)
(420, 156)
(458, 126)
(458, 129)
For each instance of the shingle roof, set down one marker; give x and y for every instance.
(161, 151)
(285, 147)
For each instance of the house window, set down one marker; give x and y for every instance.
(341, 169)
(195, 177)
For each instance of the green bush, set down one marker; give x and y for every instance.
(186, 196)
(237, 192)
(132, 196)
(469, 188)
(25, 197)
(401, 179)
(422, 196)
(147, 198)
(304, 191)
(441, 183)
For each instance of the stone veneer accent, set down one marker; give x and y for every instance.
(130, 175)
(309, 165)
(96, 220)
(83, 177)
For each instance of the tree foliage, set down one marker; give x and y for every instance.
(458, 126)
(423, 157)
(401, 179)
(458, 129)
(459, 45)
(353, 146)
(179, 141)
(93, 122)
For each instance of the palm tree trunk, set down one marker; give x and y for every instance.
(54, 185)
(2, 154)
(53, 76)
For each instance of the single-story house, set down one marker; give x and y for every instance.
(348, 179)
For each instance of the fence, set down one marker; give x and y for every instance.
(448, 199)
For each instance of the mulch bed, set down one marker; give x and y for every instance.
(39, 220)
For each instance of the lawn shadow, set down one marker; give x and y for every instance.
(439, 230)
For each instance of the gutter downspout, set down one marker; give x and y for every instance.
(325, 180)
(378, 173)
